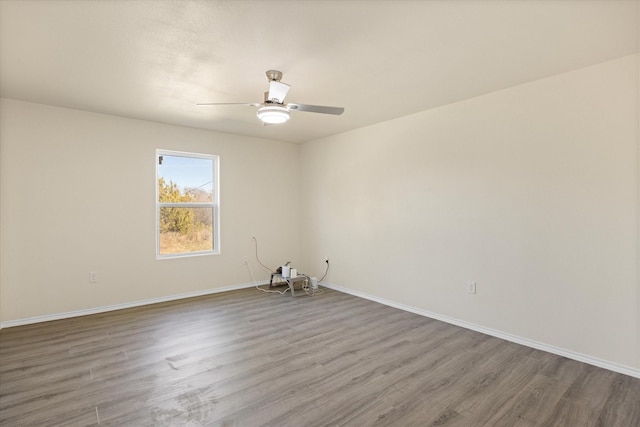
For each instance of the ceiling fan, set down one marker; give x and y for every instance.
(273, 110)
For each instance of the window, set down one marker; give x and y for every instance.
(186, 204)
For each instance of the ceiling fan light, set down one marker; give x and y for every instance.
(273, 114)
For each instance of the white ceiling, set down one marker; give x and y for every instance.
(380, 60)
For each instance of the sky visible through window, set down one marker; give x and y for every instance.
(187, 172)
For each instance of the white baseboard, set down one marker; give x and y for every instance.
(494, 333)
(85, 312)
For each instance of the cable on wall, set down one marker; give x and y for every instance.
(325, 272)
(255, 241)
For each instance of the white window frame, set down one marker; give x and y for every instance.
(214, 205)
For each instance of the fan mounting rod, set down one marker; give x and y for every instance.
(274, 75)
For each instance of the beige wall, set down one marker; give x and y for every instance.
(532, 192)
(78, 195)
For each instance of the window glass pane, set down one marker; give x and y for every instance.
(185, 179)
(185, 230)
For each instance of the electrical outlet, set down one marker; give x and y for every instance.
(93, 277)
(245, 261)
(471, 287)
(326, 258)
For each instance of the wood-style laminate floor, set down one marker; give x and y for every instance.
(246, 358)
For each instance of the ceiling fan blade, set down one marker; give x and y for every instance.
(251, 104)
(277, 91)
(316, 109)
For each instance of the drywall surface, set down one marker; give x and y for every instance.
(78, 195)
(531, 192)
